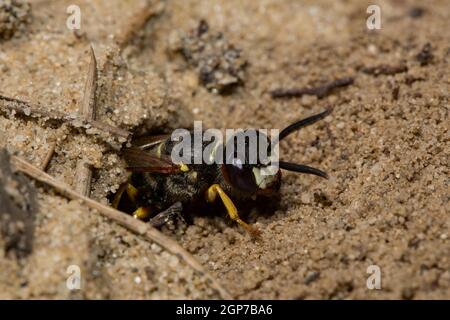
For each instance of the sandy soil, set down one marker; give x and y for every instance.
(385, 146)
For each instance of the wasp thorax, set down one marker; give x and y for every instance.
(251, 146)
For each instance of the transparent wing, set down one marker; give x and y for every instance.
(146, 142)
(139, 160)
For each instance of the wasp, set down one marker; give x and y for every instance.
(160, 188)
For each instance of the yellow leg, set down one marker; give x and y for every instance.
(141, 213)
(215, 190)
(118, 196)
(131, 192)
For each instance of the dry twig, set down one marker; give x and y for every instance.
(48, 156)
(26, 109)
(89, 106)
(385, 69)
(319, 91)
(83, 173)
(128, 222)
(83, 177)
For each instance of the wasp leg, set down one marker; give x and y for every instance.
(131, 192)
(165, 216)
(118, 195)
(215, 190)
(141, 213)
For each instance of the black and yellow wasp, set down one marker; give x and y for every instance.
(160, 188)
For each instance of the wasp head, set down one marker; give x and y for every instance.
(251, 164)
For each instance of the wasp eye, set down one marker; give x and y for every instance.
(240, 176)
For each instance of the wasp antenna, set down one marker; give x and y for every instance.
(303, 123)
(302, 169)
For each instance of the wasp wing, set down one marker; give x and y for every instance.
(146, 142)
(139, 160)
